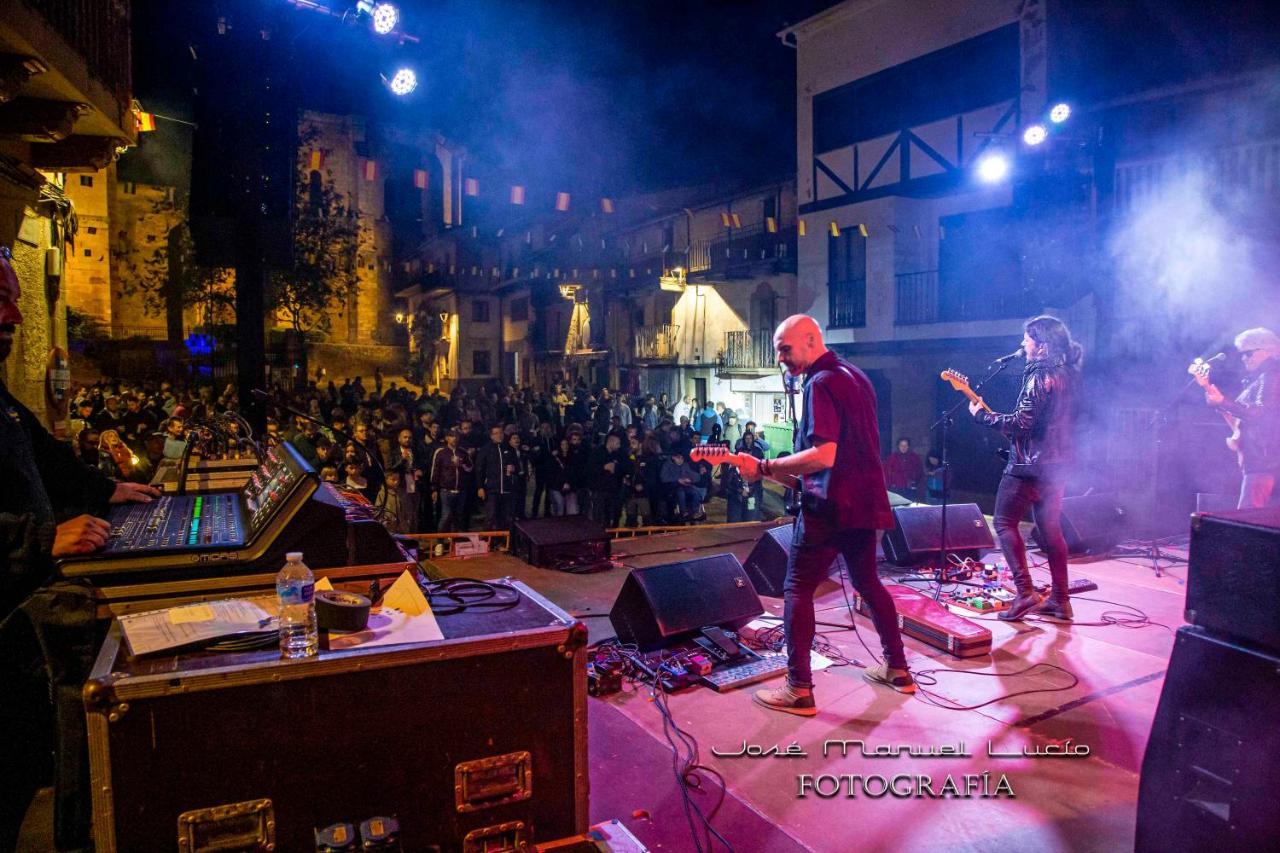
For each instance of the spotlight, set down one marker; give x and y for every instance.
(1060, 113)
(385, 17)
(993, 168)
(1035, 134)
(404, 82)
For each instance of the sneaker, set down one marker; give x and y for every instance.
(899, 679)
(787, 700)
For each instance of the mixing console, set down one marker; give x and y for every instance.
(175, 522)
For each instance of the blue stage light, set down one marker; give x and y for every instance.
(993, 168)
(404, 82)
(385, 17)
(1035, 134)
(1060, 113)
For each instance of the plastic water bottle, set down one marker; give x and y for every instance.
(295, 592)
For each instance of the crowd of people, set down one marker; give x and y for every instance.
(471, 460)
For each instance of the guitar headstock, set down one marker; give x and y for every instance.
(709, 453)
(958, 380)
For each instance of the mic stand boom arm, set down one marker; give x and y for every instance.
(944, 423)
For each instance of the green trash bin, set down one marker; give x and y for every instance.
(779, 437)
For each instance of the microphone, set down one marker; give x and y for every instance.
(1010, 357)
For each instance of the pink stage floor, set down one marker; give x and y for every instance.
(1058, 802)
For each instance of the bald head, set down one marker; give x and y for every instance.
(798, 343)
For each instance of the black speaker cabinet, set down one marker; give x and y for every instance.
(1091, 524)
(660, 605)
(1209, 776)
(554, 542)
(917, 533)
(767, 563)
(1233, 575)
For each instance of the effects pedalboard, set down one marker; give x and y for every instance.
(994, 596)
(715, 658)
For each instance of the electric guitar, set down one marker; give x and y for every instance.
(960, 382)
(1200, 370)
(716, 454)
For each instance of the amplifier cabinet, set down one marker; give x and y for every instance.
(476, 742)
(1233, 575)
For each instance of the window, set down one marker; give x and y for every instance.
(846, 280)
(480, 363)
(770, 207)
(520, 309)
(151, 238)
(91, 230)
(480, 313)
(86, 180)
(88, 253)
(668, 236)
(974, 73)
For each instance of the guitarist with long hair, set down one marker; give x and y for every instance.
(1040, 448)
(1258, 412)
(843, 504)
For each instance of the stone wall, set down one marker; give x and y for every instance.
(352, 360)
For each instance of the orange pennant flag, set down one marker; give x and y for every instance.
(420, 178)
(517, 194)
(562, 202)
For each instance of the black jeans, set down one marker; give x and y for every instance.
(1044, 498)
(814, 547)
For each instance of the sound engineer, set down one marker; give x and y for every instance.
(44, 481)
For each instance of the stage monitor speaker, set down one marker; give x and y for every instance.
(1233, 575)
(554, 542)
(767, 563)
(660, 605)
(1209, 775)
(1091, 524)
(917, 533)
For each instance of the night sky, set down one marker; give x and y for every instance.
(610, 96)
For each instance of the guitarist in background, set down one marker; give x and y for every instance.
(843, 504)
(1040, 447)
(1258, 410)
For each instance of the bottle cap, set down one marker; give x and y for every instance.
(293, 555)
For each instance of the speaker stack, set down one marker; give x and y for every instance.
(661, 605)
(1209, 775)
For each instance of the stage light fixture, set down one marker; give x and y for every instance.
(1060, 113)
(1035, 134)
(404, 82)
(993, 168)
(385, 17)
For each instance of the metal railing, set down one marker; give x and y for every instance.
(656, 343)
(916, 298)
(744, 247)
(99, 31)
(749, 348)
(847, 303)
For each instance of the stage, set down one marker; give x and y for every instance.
(1057, 801)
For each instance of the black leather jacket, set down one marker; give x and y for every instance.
(1258, 408)
(1041, 427)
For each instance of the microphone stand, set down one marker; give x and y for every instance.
(944, 423)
